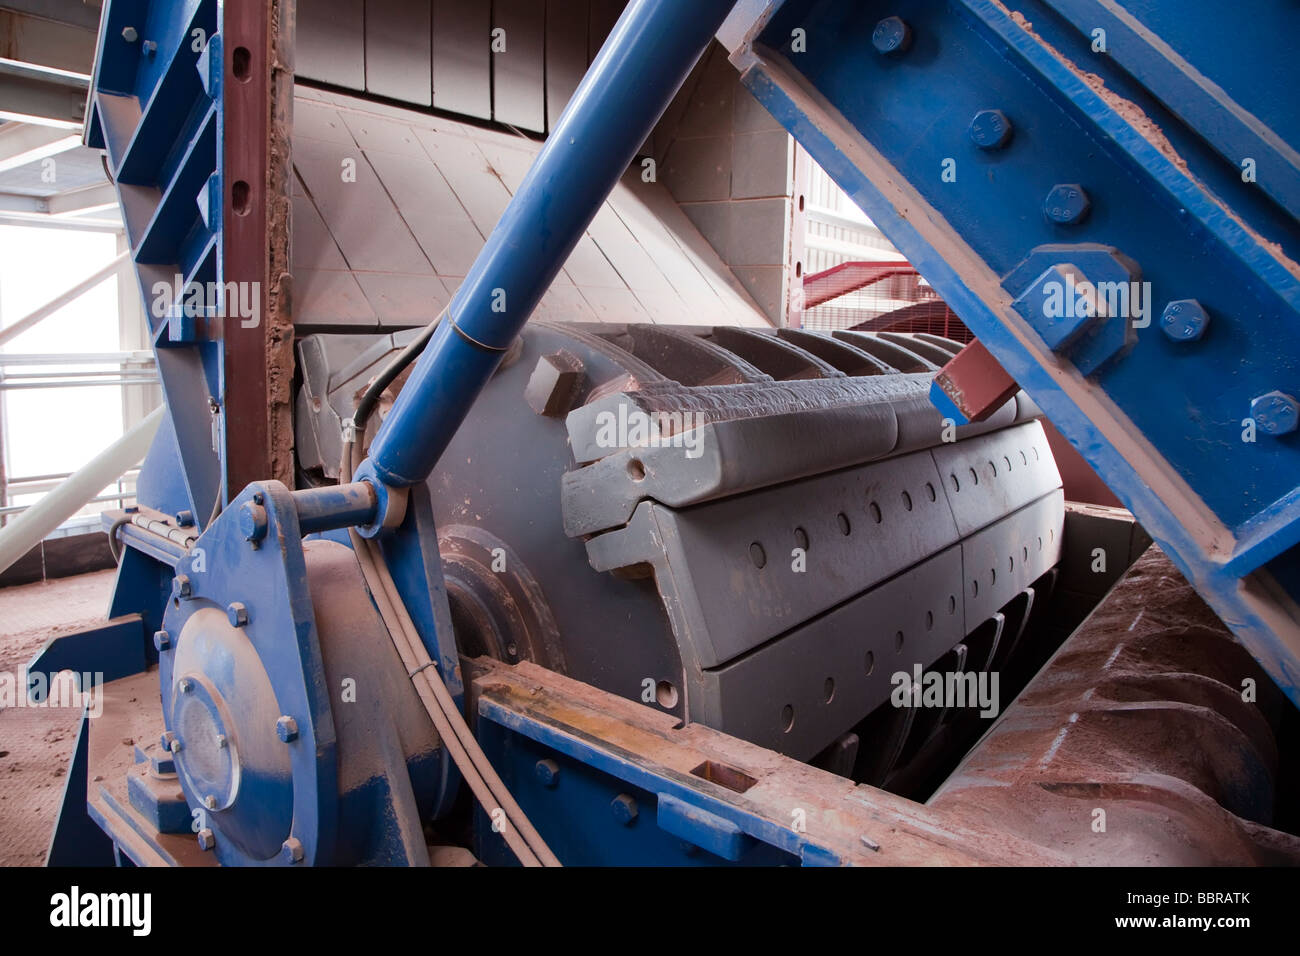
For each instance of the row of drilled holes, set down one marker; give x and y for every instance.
(828, 688)
(758, 554)
(1011, 563)
(993, 469)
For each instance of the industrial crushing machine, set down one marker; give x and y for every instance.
(414, 579)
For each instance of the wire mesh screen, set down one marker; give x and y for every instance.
(875, 297)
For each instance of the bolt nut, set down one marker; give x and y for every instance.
(237, 613)
(548, 772)
(185, 519)
(1276, 413)
(130, 34)
(286, 728)
(162, 641)
(553, 388)
(185, 684)
(1184, 320)
(171, 742)
(624, 807)
(252, 521)
(990, 129)
(222, 742)
(291, 851)
(891, 35)
(210, 802)
(149, 47)
(1067, 204)
(207, 840)
(182, 587)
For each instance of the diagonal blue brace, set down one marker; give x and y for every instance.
(638, 71)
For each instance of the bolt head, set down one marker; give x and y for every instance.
(252, 521)
(222, 742)
(185, 684)
(149, 47)
(1276, 413)
(891, 35)
(171, 743)
(210, 802)
(548, 772)
(1067, 204)
(291, 851)
(207, 840)
(237, 613)
(286, 728)
(182, 587)
(185, 519)
(130, 34)
(162, 641)
(1184, 320)
(625, 809)
(990, 129)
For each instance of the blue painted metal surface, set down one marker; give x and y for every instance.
(155, 107)
(1169, 123)
(639, 69)
(604, 809)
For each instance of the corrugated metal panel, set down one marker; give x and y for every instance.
(399, 50)
(566, 53)
(330, 43)
(518, 75)
(462, 65)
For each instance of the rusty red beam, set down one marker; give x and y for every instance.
(246, 32)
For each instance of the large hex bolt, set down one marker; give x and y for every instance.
(624, 807)
(237, 614)
(252, 522)
(554, 385)
(207, 840)
(291, 851)
(286, 728)
(1276, 413)
(891, 35)
(1184, 320)
(130, 34)
(548, 772)
(990, 129)
(1067, 204)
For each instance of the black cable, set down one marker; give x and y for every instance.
(370, 398)
(113, 545)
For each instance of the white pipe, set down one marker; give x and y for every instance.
(59, 301)
(31, 527)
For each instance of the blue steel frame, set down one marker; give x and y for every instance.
(155, 107)
(1154, 121)
(1156, 154)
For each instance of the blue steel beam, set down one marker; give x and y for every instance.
(1115, 168)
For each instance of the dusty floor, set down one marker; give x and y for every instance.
(36, 743)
